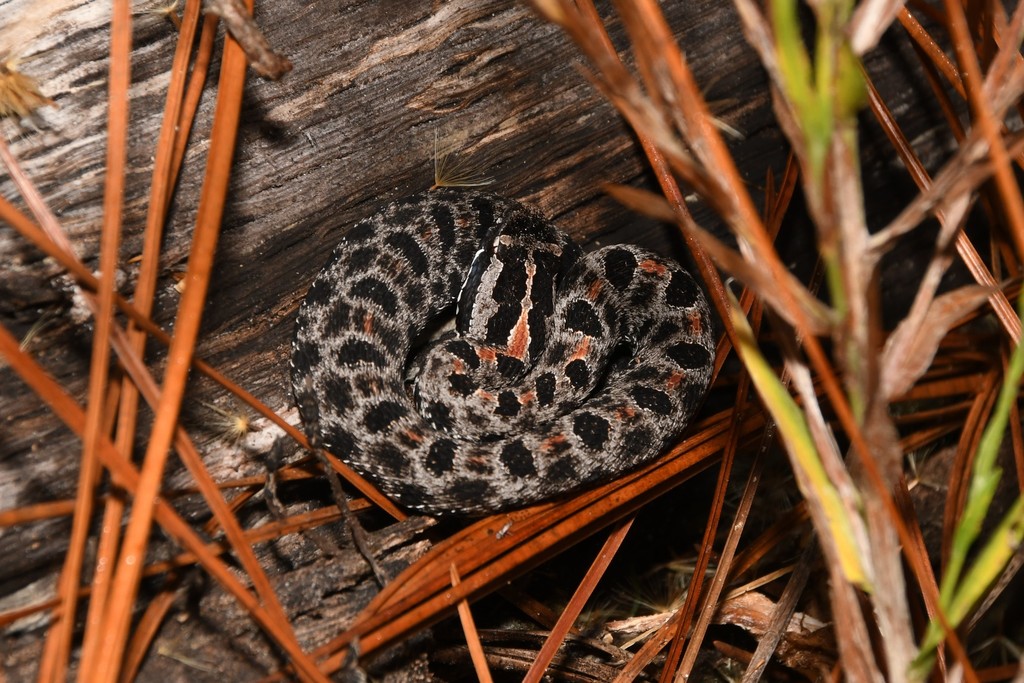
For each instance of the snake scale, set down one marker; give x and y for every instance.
(564, 369)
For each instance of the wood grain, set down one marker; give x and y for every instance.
(351, 127)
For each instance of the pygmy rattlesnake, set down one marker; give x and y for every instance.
(565, 368)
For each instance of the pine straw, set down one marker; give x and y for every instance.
(849, 392)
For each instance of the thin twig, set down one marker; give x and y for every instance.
(240, 25)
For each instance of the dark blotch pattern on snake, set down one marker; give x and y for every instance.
(564, 369)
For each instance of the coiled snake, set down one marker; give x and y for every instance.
(565, 369)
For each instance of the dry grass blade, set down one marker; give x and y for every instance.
(744, 227)
(238, 19)
(127, 413)
(985, 119)
(694, 589)
(818, 318)
(673, 627)
(450, 170)
(780, 617)
(677, 209)
(744, 220)
(910, 350)
(124, 583)
(870, 21)
(982, 275)
(679, 661)
(973, 425)
(147, 628)
(36, 512)
(937, 56)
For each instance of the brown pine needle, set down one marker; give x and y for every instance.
(578, 601)
(947, 399)
(476, 649)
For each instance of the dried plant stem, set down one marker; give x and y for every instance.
(1000, 304)
(681, 660)
(676, 661)
(783, 613)
(703, 137)
(693, 118)
(725, 568)
(740, 212)
(238, 19)
(818, 97)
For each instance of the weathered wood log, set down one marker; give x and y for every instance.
(350, 128)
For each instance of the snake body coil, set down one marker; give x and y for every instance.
(565, 368)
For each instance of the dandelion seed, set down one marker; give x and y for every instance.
(662, 593)
(450, 171)
(36, 328)
(168, 12)
(231, 425)
(19, 94)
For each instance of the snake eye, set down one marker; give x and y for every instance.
(467, 293)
